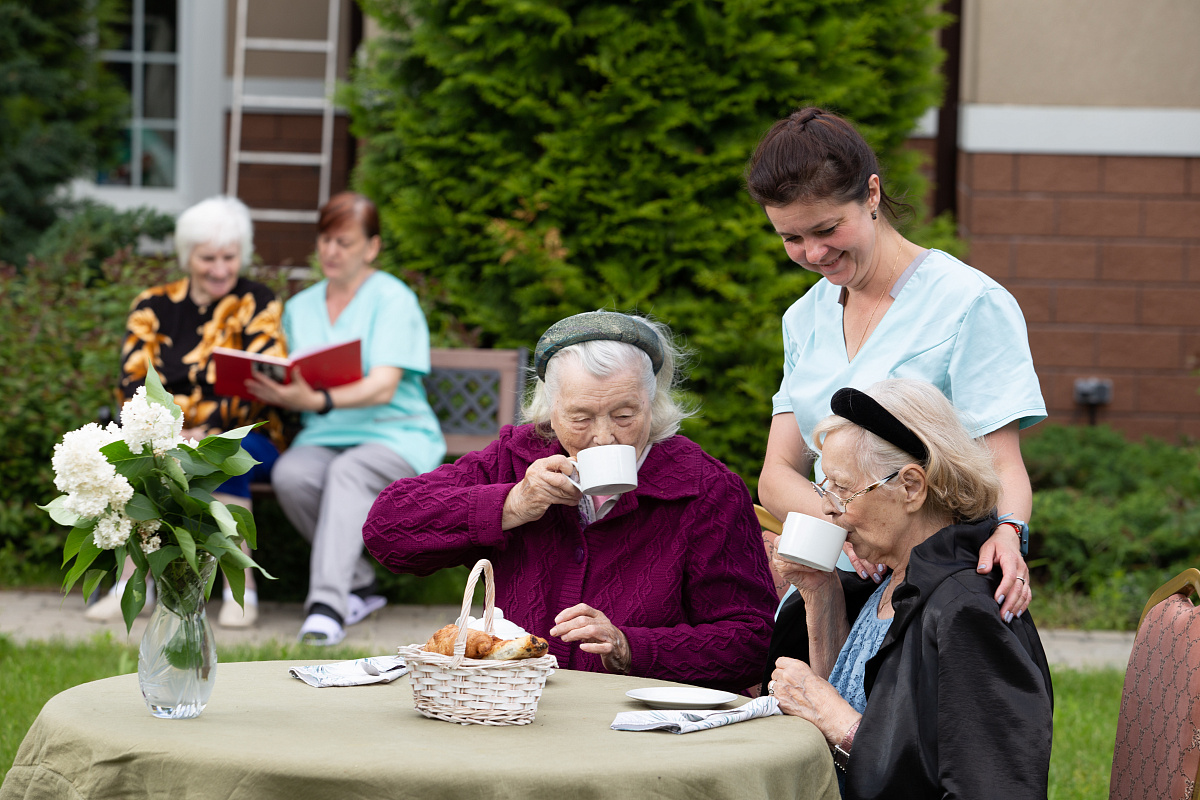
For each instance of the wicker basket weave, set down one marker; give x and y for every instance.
(470, 690)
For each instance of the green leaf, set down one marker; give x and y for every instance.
(88, 552)
(239, 463)
(58, 512)
(235, 576)
(224, 519)
(245, 524)
(159, 559)
(188, 545)
(174, 471)
(192, 464)
(74, 541)
(215, 449)
(141, 508)
(155, 393)
(134, 598)
(134, 467)
(91, 580)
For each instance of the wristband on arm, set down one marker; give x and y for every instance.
(841, 751)
(1022, 530)
(328, 402)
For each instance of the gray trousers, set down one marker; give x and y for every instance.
(327, 493)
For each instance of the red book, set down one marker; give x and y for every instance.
(323, 367)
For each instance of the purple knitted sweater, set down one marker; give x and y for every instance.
(678, 564)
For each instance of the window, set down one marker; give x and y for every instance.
(147, 62)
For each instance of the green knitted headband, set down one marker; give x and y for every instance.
(594, 326)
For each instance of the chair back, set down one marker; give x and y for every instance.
(1157, 747)
(768, 521)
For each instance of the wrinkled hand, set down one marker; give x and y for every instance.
(1014, 593)
(808, 581)
(596, 633)
(297, 395)
(875, 572)
(545, 484)
(802, 694)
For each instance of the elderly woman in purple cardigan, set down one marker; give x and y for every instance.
(668, 580)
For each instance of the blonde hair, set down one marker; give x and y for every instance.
(962, 481)
(604, 358)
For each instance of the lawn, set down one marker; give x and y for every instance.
(1085, 703)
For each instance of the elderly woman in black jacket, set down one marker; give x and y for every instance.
(929, 693)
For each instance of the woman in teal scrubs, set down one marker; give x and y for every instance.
(886, 308)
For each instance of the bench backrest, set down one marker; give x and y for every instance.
(475, 392)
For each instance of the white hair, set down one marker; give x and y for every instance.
(218, 221)
(604, 358)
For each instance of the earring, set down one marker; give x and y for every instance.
(874, 214)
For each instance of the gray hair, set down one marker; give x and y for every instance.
(219, 221)
(604, 358)
(961, 478)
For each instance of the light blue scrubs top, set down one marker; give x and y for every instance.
(386, 316)
(949, 324)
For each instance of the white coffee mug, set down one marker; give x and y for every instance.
(811, 541)
(606, 469)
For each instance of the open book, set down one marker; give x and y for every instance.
(323, 367)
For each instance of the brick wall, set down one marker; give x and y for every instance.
(269, 186)
(1103, 254)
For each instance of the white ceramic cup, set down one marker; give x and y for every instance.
(606, 469)
(811, 541)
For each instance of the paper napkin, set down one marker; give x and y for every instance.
(352, 673)
(692, 721)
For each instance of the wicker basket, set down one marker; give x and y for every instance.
(470, 690)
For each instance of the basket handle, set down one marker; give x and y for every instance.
(489, 605)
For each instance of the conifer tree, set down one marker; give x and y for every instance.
(534, 159)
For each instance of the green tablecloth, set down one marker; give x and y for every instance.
(268, 735)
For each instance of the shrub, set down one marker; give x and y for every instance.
(1112, 519)
(542, 159)
(60, 110)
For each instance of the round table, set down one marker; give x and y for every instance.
(268, 735)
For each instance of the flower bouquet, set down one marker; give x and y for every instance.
(139, 489)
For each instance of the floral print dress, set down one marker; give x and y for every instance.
(168, 329)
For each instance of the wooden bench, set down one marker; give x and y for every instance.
(473, 391)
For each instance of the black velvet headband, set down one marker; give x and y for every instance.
(594, 326)
(865, 412)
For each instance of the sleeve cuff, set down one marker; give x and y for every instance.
(487, 510)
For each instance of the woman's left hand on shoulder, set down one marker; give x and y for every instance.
(1014, 593)
(596, 634)
(802, 693)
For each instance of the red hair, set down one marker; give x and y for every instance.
(346, 207)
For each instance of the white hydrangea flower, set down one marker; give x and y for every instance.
(151, 544)
(81, 470)
(149, 527)
(112, 530)
(145, 423)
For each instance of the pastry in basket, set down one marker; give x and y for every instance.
(486, 646)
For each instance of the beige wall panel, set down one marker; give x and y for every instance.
(288, 19)
(1125, 53)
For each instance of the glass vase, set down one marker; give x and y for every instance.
(177, 660)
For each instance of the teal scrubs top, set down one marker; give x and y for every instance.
(949, 324)
(386, 316)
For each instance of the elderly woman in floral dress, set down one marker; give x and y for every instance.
(667, 581)
(175, 327)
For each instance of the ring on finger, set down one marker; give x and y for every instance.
(771, 688)
(1022, 580)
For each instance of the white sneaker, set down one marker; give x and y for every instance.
(359, 608)
(234, 616)
(321, 631)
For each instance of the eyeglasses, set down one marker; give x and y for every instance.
(840, 503)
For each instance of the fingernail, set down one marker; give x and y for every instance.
(1000, 600)
(1008, 617)
(863, 573)
(1019, 613)
(876, 577)
(982, 565)
(881, 567)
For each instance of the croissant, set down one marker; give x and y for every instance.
(486, 646)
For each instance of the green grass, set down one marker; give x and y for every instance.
(1085, 703)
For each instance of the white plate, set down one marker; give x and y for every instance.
(675, 697)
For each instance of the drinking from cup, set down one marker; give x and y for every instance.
(606, 469)
(811, 541)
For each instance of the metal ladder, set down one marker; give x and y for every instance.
(323, 159)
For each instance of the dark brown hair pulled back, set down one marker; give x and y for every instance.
(813, 155)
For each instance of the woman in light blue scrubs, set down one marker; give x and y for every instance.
(886, 308)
